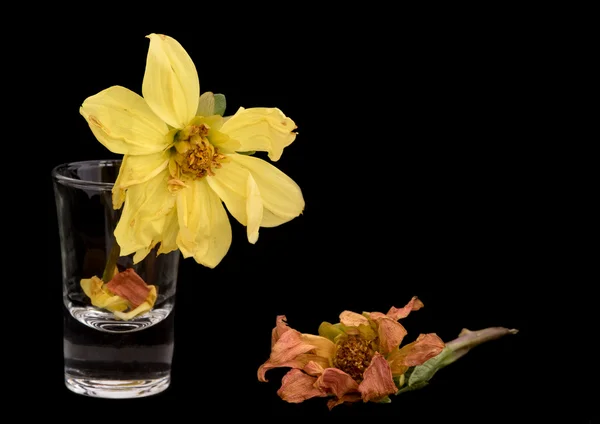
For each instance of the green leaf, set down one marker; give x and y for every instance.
(367, 332)
(250, 153)
(329, 331)
(385, 399)
(421, 374)
(219, 104)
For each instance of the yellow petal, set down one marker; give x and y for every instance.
(123, 122)
(204, 229)
(139, 169)
(281, 196)
(206, 104)
(223, 142)
(254, 209)
(230, 183)
(235, 185)
(170, 231)
(95, 289)
(136, 170)
(118, 194)
(144, 216)
(125, 316)
(171, 85)
(261, 129)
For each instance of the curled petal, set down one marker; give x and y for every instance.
(204, 229)
(281, 196)
(280, 328)
(336, 381)
(137, 169)
(390, 332)
(323, 346)
(230, 183)
(261, 129)
(144, 216)
(123, 122)
(291, 348)
(170, 85)
(100, 297)
(313, 368)
(397, 313)
(352, 319)
(377, 380)
(170, 232)
(129, 285)
(300, 362)
(421, 350)
(254, 209)
(236, 186)
(296, 387)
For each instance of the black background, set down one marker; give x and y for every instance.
(417, 158)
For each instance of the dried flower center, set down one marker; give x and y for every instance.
(353, 356)
(194, 155)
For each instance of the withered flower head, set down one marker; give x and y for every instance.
(356, 359)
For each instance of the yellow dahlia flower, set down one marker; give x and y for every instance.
(182, 161)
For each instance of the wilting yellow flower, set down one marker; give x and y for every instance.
(356, 359)
(182, 160)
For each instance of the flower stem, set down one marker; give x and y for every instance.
(468, 339)
(419, 376)
(111, 263)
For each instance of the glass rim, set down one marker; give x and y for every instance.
(57, 176)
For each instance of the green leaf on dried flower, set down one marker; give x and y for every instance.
(421, 374)
(220, 104)
(330, 331)
(367, 332)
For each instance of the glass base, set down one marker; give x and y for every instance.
(116, 389)
(106, 321)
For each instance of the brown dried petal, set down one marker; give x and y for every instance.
(416, 353)
(390, 332)
(377, 381)
(336, 381)
(352, 319)
(129, 285)
(296, 387)
(313, 368)
(280, 328)
(397, 313)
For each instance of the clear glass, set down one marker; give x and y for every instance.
(103, 355)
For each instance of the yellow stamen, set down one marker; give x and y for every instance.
(194, 154)
(353, 356)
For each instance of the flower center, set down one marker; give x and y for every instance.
(194, 155)
(353, 356)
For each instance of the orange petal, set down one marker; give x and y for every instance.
(313, 368)
(290, 348)
(352, 319)
(377, 381)
(352, 397)
(280, 328)
(300, 362)
(336, 381)
(296, 387)
(130, 286)
(390, 332)
(397, 313)
(424, 348)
